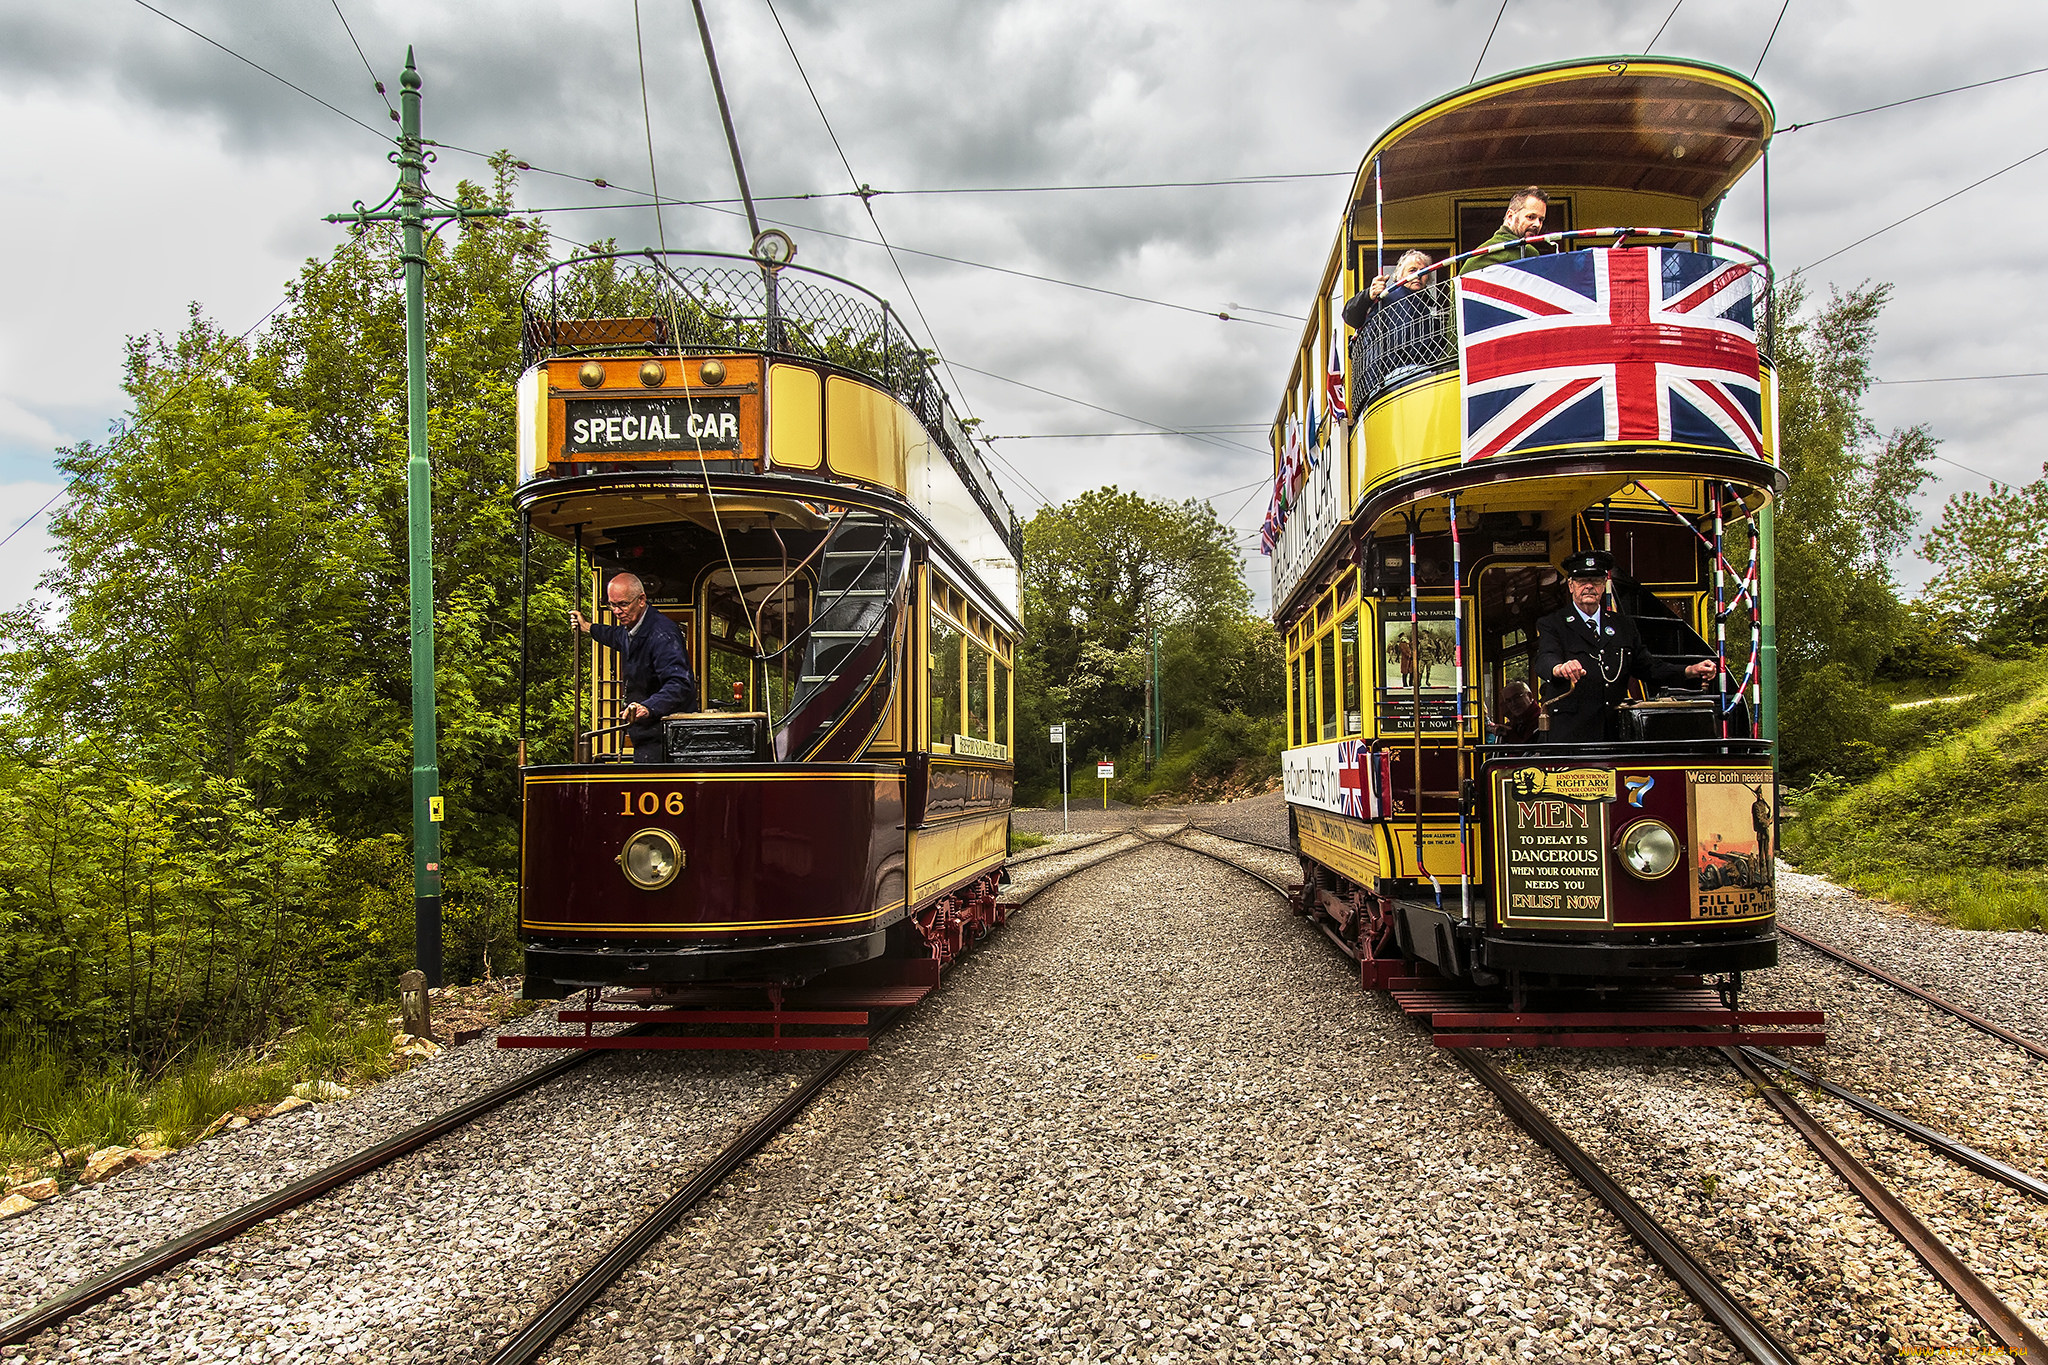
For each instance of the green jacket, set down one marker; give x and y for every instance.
(1506, 246)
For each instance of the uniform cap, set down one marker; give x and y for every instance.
(1588, 564)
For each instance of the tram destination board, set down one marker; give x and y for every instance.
(639, 425)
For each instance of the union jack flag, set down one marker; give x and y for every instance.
(1354, 779)
(1637, 344)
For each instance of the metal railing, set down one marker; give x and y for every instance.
(1412, 334)
(719, 301)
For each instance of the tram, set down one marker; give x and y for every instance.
(765, 449)
(1589, 391)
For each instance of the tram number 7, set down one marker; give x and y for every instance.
(651, 803)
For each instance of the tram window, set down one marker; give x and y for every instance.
(1002, 705)
(781, 607)
(1308, 694)
(1354, 719)
(1294, 702)
(977, 690)
(1327, 669)
(944, 679)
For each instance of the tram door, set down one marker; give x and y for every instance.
(757, 617)
(1512, 599)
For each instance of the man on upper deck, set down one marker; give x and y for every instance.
(1586, 655)
(656, 665)
(1525, 215)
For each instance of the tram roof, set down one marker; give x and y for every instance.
(1663, 125)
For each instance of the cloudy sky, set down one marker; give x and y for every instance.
(149, 170)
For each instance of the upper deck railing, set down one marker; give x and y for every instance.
(719, 301)
(1413, 335)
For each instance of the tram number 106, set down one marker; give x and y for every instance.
(651, 803)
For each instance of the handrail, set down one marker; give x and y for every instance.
(818, 610)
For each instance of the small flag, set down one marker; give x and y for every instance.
(1333, 383)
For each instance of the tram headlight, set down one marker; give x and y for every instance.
(1649, 849)
(651, 859)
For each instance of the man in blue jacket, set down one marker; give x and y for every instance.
(656, 668)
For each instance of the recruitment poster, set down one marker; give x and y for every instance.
(1731, 843)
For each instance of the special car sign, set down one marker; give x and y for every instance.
(613, 426)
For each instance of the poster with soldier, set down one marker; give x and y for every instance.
(1731, 865)
(1424, 655)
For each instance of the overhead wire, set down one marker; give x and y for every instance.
(1488, 43)
(246, 61)
(347, 28)
(143, 419)
(1910, 99)
(1927, 208)
(1964, 378)
(1205, 438)
(1768, 41)
(1651, 45)
(868, 204)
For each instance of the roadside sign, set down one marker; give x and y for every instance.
(1059, 734)
(1105, 770)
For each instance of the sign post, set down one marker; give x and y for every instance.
(1104, 771)
(1059, 737)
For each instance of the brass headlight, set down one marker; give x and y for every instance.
(1649, 849)
(651, 859)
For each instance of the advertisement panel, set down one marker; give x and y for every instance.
(1730, 840)
(1553, 844)
(1342, 776)
(1317, 513)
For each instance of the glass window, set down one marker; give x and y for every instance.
(944, 680)
(1303, 670)
(1354, 720)
(1002, 706)
(1326, 652)
(1293, 703)
(977, 690)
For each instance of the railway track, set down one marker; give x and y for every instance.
(167, 1256)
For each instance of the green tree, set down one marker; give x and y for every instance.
(1992, 583)
(1845, 514)
(1104, 571)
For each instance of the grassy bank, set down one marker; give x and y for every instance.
(1945, 807)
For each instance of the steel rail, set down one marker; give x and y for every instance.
(232, 1224)
(1976, 1021)
(1174, 839)
(533, 1338)
(2005, 1324)
(1037, 853)
(1961, 1153)
(1706, 1289)
(1288, 849)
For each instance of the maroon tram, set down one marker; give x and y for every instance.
(1510, 403)
(765, 449)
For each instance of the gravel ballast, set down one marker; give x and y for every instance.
(1107, 1138)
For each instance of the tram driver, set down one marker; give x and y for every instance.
(1586, 655)
(655, 668)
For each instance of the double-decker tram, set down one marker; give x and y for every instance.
(1521, 543)
(765, 451)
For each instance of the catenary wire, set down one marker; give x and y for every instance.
(647, 122)
(1965, 378)
(1910, 99)
(347, 28)
(1488, 43)
(143, 419)
(1768, 41)
(370, 128)
(1647, 47)
(867, 203)
(1128, 417)
(1935, 205)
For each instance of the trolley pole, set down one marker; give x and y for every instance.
(406, 206)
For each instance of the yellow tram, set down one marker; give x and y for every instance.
(765, 450)
(1593, 391)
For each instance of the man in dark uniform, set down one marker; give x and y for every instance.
(1587, 655)
(1524, 219)
(656, 669)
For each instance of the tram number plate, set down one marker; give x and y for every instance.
(638, 425)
